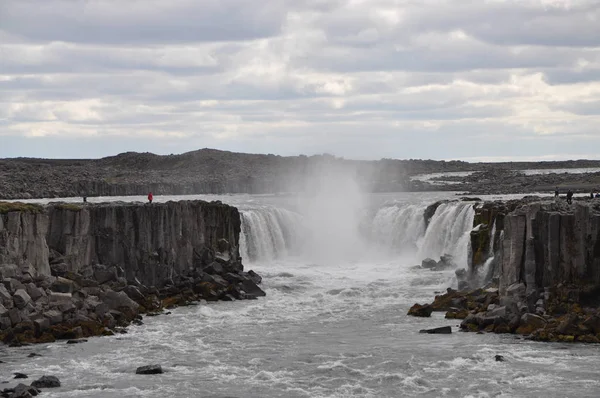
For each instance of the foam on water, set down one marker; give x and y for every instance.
(325, 329)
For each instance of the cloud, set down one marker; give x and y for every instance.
(366, 79)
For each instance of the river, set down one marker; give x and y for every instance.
(339, 274)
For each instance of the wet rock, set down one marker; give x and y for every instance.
(33, 355)
(499, 358)
(257, 279)
(429, 263)
(20, 375)
(440, 330)
(420, 310)
(24, 391)
(250, 287)
(214, 268)
(76, 341)
(149, 370)
(46, 382)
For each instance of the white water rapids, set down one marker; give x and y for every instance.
(339, 283)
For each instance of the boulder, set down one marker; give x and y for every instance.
(497, 312)
(46, 382)
(499, 358)
(214, 268)
(516, 289)
(530, 323)
(24, 391)
(115, 300)
(12, 284)
(440, 330)
(104, 274)
(19, 375)
(53, 316)
(253, 276)
(250, 287)
(34, 292)
(446, 262)
(149, 370)
(6, 297)
(9, 271)
(420, 310)
(64, 285)
(134, 293)
(429, 263)
(21, 299)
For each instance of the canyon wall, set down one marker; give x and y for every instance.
(539, 243)
(150, 242)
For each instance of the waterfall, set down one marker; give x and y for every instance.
(398, 228)
(269, 233)
(448, 232)
(485, 272)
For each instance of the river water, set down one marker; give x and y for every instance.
(338, 272)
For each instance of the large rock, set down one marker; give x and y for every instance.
(530, 323)
(429, 263)
(420, 310)
(46, 382)
(5, 297)
(21, 299)
(115, 300)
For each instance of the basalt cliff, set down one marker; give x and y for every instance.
(537, 263)
(69, 271)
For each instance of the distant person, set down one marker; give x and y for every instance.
(597, 194)
(84, 199)
(150, 197)
(569, 196)
(556, 192)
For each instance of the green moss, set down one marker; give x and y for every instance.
(7, 207)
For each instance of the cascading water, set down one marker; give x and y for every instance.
(448, 232)
(269, 233)
(485, 272)
(397, 228)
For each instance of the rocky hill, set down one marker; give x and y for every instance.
(210, 171)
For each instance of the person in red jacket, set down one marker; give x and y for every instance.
(150, 197)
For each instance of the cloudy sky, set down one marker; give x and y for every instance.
(440, 79)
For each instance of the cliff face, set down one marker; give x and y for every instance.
(539, 243)
(548, 244)
(23, 240)
(149, 242)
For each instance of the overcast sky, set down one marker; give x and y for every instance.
(440, 79)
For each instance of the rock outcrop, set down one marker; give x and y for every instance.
(71, 271)
(546, 267)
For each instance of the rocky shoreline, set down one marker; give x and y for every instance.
(70, 305)
(69, 272)
(538, 262)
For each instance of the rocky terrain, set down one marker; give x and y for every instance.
(537, 265)
(69, 272)
(209, 171)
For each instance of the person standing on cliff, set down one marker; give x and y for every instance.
(556, 192)
(570, 197)
(150, 197)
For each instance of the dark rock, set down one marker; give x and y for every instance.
(254, 277)
(250, 287)
(20, 375)
(76, 341)
(46, 382)
(104, 274)
(440, 330)
(429, 263)
(21, 298)
(24, 391)
(420, 310)
(33, 354)
(214, 268)
(499, 358)
(149, 370)
(64, 285)
(134, 293)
